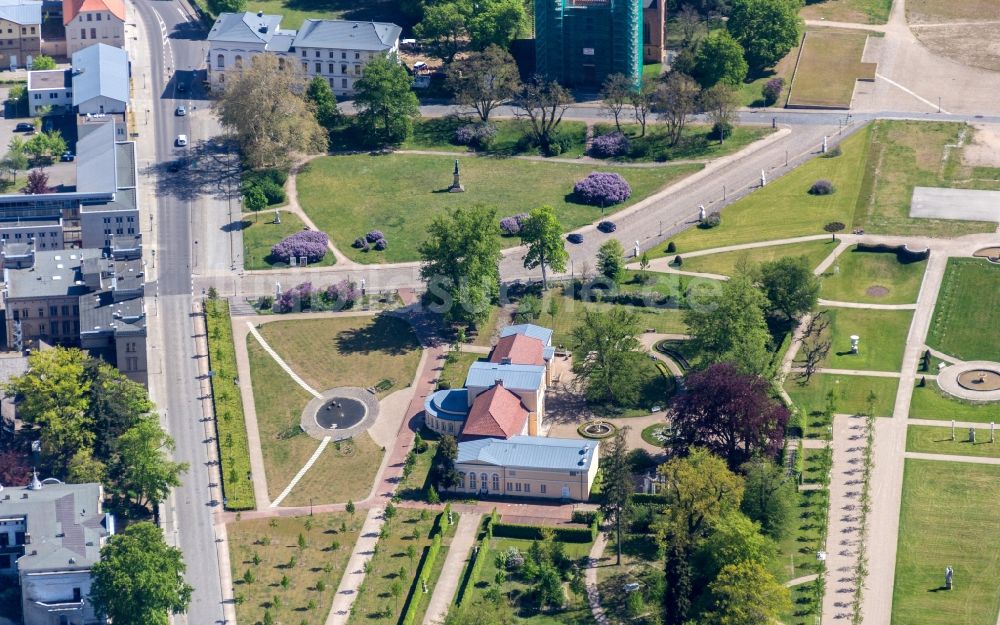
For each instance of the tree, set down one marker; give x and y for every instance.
(270, 121)
(45, 145)
(734, 539)
(43, 62)
(143, 472)
(461, 259)
(484, 80)
(790, 285)
(816, 343)
(542, 233)
(114, 405)
(768, 496)
(719, 59)
(443, 465)
(386, 103)
(690, 23)
(676, 98)
(254, 199)
(610, 261)
(746, 594)
(643, 266)
(16, 159)
(641, 99)
(603, 356)
(84, 468)
(227, 6)
(38, 183)
(445, 27)
(617, 484)
(324, 103)
(678, 590)
(543, 103)
(730, 326)
(14, 468)
(482, 612)
(699, 490)
(730, 413)
(720, 102)
(139, 578)
(767, 29)
(833, 227)
(615, 94)
(496, 23)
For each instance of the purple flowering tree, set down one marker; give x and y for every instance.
(309, 243)
(602, 189)
(511, 226)
(609, 145)
(296, 298)
(341, 295)
(374, 235)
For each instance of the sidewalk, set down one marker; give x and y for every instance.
(354, 575)
(454, 566)
(590, 577)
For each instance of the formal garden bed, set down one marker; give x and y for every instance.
(260, 234)
(851, 396)
(727, 263)
(873, 277)
(938, 440)
(968, 311)
(290, 567)
(400, 194)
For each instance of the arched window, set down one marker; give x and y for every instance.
(220, 61)
(461, 480)
(238, 62)
(472, 481)
(496, 481)
(482, 480)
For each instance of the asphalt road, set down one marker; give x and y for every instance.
(166, 33)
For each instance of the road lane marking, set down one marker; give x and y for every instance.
(924, 100)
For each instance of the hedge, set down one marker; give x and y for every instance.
(640, 498)
(475, 566)
(534, 532)
(231, 435)
(422, 578)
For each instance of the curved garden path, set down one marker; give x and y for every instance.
(293, 206)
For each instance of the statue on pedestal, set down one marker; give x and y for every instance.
(456, 184)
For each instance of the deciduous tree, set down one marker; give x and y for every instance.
(386, 103)
(767, 29)
(484, 80)
(641, 99)
(543, 103)
(676, 98)
(114, 405)
(324, 103)
(445, 27)
(139, 578)
(443, 469)
(542, 233)
(734, 538)
(768, 496)
(38, 183)
(746, 594)
(719, 102)
(610, 260)
(602, 357)
(719, 59)
(729, 325)
(496, 22)
(618, 485)
(615, 95)
(43, 62)
(143, 472)
(699, 489)
(790, 286)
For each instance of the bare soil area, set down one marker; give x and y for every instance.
(984, 149)
(966, 31)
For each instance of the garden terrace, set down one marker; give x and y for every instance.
(968, 311)
(872, 277)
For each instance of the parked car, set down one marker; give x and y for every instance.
(607, 226)
(67, 157)
(575, 237)
(24, 127)
(181, 111)
(182, 140)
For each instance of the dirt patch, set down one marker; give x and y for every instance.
(988, 252)
(935, 11)
(876, 291)
(984, 149)
(968, 43)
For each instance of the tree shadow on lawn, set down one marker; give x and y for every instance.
(389, 335)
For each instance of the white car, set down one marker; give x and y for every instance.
(181, 111)
(182, 140)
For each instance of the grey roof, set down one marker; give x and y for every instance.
(24, 12)
(282, 41)
(125, 164)
(516, 377)
(100, 70)
(100, 314)
(54, 273)
(65, 522)
(530, 452)
(529, 329)
(347, 35)
(95, 167)
(246, 27)
(12, 366)
(49, 79)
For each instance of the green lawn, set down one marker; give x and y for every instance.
(857, 11)
(726, 263)
(695, 141)
(784, 208)
(851, 393)
(858, 276)
(667, 321)
(815, 463)
(438, 133)
(409, 528)
(415, 485)
(937, 440)
(260, 233)
(329, 540)
(805, 605)
(929, 402)
(396, 11)
(906, 154)
(453, 373)
(967, 313)
(750, 94)
(947, 518)
(483, 335)
(347, 351)
(883, 338)
(797, 549)
(656, 285)
(400, 194)
(828, 68)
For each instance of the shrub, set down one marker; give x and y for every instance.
(510, 226)
(832, 152)
(374, 235)
(772, 90)
(678, 261)
(341, 295)
(821, 187)
(309, 243)
(671, 248)
(720, 130)
(296, 298)
(475, 135)
(360, 243)
(381, 244)
(609, 145)
(602, 189)
(710, 221)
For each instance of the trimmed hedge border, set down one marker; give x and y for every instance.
(423, 573)
(479, 556)
(534, 532)
(231, 431)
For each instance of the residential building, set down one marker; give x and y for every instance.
(93, 21)
(97, 84)
(579, 43)
(336, 50)
(20, 32)
(51, 535)
(654, 23)
(527, 466)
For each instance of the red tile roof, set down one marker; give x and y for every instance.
(520, 349)
(497, 413)
(72, 8)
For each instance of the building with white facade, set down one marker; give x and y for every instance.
(51, 535)
(96, 84)
(336, 50)
(93, 21)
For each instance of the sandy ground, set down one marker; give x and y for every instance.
(984, 148)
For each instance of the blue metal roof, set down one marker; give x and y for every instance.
(100, 70)
(520, 377)
(529, 329)
(450, 404)
(530, 452)
(23, 12)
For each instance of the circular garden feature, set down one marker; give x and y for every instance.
(340, 413)
(596, 429)
(982, 380)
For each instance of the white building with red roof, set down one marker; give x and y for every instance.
(93, 21)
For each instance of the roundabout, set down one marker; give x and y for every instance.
(339, 413)
(974, 381)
